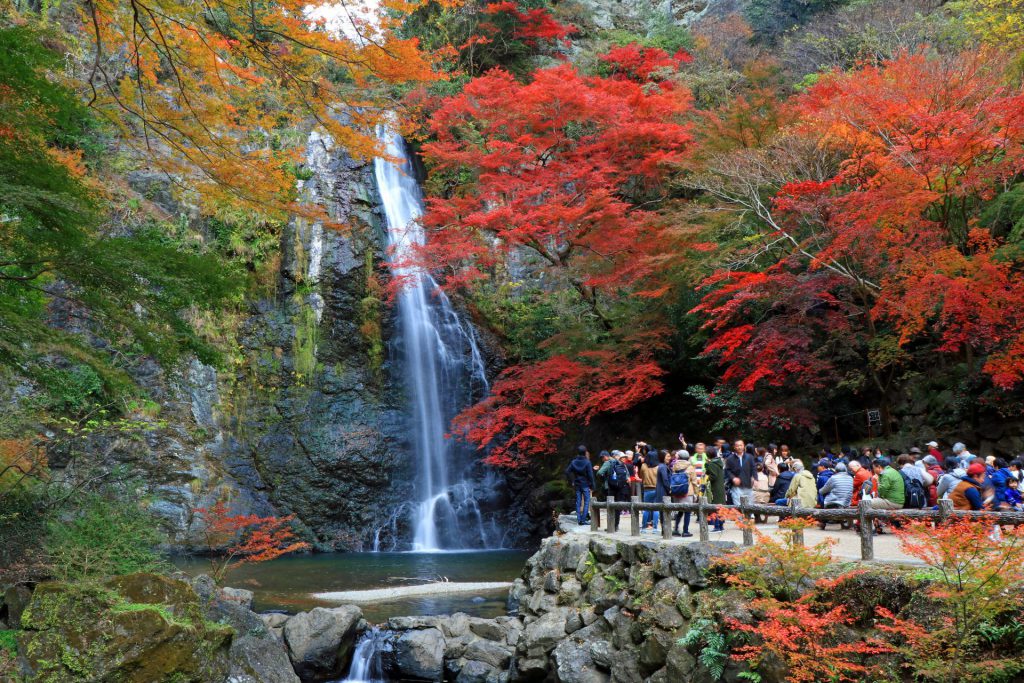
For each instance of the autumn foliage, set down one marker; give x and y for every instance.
(876, 240)
(978, 570)
(234, 540)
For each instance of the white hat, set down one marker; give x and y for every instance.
(932, 444)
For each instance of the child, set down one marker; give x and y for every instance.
(1014, 499)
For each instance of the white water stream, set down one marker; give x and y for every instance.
(443, 369)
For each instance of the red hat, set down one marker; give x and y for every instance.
(975, 468)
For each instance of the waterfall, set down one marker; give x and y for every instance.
(366, 661)
(443, 367)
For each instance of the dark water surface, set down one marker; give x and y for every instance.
(288, 583)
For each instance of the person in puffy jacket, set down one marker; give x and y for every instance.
(861, 475)
(580, 474)
(999, 478)
(802, 487)
(837, 491)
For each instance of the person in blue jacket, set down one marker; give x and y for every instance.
(580, 474)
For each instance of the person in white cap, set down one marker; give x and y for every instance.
(933, 450)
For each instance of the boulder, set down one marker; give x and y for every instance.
(543, 635)
(320, 641)
(490, 629)
(480, 672)
(492, 654)
(419, 655)
(456, 625)
(605, 551)
(569, 592)
(573, 659)
(76, 633)
(239, 596)
(679, 663)
(258, 653)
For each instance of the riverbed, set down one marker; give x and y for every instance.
(288, 583)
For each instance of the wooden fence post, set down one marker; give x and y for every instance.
(798, 534)
(867, 531)
(748, 519)
(634, 517)
(945, 508)
(595, 514)
(611, 517)
(666, 529)
(702, 520)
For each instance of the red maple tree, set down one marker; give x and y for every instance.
(559, 174)
(234, 540)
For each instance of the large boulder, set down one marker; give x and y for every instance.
(573, 658)
(258, 653)
(419, 655)
(542, 635)
(320, 641)
(78, 633)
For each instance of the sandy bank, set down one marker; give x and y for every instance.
(398, 592)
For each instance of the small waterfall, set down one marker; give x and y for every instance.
(443, 367)
(366, 660)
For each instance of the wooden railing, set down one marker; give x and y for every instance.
(864, 514)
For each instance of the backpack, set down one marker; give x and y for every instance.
(619, 473)
(914, 495)
(679, 484)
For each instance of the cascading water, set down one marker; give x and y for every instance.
(366, 660)
(443, 368)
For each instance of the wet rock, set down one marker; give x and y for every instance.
(480, 672)
(679, 663)
(419, 654)
(320, 641)
(490, 629)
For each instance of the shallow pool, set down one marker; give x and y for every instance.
(288, 583)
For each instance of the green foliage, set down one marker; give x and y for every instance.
(714, 653)
(103, 537)
(523, 316)
(70, 390)
(133, 287)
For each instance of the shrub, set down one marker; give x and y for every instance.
(103, 537)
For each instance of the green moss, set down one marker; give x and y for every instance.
(307, 335)
(369, 317)
(8, 640)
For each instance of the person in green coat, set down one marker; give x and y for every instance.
(715, 469)
(891, 495)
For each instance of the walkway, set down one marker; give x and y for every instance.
(887, 546)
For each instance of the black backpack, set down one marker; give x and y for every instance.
(914, 495)
(619, 474)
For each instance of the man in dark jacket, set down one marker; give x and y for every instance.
(821, 477)
(782, 482)
(740, 467)
(581, 475)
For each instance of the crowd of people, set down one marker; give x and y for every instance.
(724, 472)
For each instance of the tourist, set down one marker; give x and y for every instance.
(823, 474)
(603, 470)
(861, 476)
(771, 463)
(837, 491)
(890, 486)
(649, 483)
(961, 453)
(968, 493)
(954, 473)
(716, 484)
(581, 475)
(1000, 477)
(683, 490)
(1012, 499)
(785, 456)
(802, 488)
(1017, 469)
(931, 465)
(933, 450)
(762, 490)
(740, 468)
(698, 465)
(781, 485)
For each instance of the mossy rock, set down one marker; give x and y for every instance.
(94, 633)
